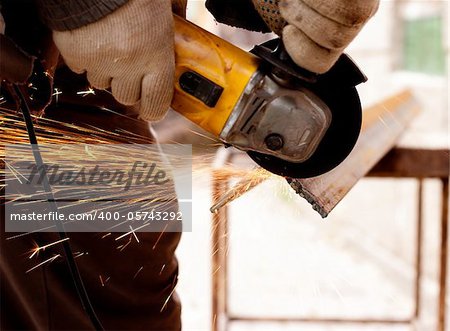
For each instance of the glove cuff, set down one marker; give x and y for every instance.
(62, 15)
(270, 13)
(237, 13)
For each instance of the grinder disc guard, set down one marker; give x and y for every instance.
(336, 145)
(336, 89)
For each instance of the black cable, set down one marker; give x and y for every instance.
(75, 274)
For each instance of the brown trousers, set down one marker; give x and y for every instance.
(130, 289)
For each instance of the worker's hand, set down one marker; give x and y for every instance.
(316, 32)
(131, 51)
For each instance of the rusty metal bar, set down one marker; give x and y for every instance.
(413, 163)
(324, 320)
(419, 228)
(219, 247)
(218, 304)
(383, 124)
(443, 256)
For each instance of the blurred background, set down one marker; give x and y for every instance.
(284, 260)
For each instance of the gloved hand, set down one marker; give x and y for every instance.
(316, 32)
(130, 50)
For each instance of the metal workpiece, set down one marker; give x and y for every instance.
(383, 124)
(303, 192)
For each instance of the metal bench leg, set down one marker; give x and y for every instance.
(443, 255)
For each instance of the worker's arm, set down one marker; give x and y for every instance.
(314, 32)
(125, 45)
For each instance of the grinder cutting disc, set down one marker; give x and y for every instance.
(336, 145)
(337, 90)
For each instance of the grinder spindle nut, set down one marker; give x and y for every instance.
(274, 142)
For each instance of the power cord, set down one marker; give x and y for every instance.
(74, 272)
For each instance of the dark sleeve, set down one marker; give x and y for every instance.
(237, 13)
(64, 15)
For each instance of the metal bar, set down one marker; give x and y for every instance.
(413, 163)
(216, 263)
(224, 257)
(443, 256)
(235, 318)
(219, 263)
(417, 292)
(382, 126)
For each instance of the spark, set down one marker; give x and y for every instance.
(122, 247)
(101, 280)
(248, 182)
(215, 251)
(88, 152)
(106, 235)
(204, 136)
(30, 85)
(336, 290)
(42, 263)
(56, 94)
(160, 236)
(168, 298)
(125, 246)
(15, 172)
(79, 254)
(28, 233)
(381, 119)
(134, 234)
(162, 269)
(90, 90)
(130, 232)
(137, 272)
(218, 268)
(13, 131)
(2, 100)
(37, 249)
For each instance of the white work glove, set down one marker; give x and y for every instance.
(130, 50)
(316, 32)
